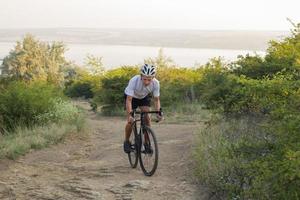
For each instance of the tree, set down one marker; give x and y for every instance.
(285, 54)
(94, 65)
(281, 56)
(33, 60)
(161, 60)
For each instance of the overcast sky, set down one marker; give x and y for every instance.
(162, 14)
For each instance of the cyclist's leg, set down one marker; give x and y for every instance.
(145, 107)
(147, 122)
(128, 128)
(147, 117)
(126, 145)
(128, 125)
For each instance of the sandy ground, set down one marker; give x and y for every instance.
(95, 167)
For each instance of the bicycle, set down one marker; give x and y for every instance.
(143, 145)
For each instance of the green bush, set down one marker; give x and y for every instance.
(21, 104)
(245, 160)
(250, 66)
(81, 83)
(226, 154)
(80, 89)
(177, 85)
(253, 161)
(217, 87)
(113, 84)
(61, 112)
(281, 56)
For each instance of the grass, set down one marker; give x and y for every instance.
(223, 151)
(112, 111)
(186, 112)
(211, 155)
(22, 140)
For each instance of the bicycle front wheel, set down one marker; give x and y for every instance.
(133, 154)
(148, 155)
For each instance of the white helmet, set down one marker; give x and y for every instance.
(148, 70)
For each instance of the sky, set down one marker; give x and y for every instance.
(150, 14)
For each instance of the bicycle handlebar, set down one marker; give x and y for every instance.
(146, 112)
(140, 112)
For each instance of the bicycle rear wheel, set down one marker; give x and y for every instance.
(133, 154)
(148, 155)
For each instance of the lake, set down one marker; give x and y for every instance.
(117, 55)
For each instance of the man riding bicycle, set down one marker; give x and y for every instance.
(138, 94)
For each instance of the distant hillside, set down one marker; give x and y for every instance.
(243, 40)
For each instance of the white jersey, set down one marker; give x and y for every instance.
(138, 90)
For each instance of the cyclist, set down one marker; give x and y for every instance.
(138, 94)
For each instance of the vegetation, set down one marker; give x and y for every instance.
(84, 81)
(252, 151)
(35, 60)
(34, 113)
(22, 140)
(250, 148)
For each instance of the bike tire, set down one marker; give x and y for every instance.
(133, 154)
(149, 170)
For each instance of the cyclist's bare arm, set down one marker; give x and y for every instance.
(158, 108)
(157, 103)
(128, 104)
(129, 109)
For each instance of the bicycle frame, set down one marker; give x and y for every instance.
(144, 134)
(143, 114)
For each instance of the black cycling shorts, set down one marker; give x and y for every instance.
(146, 101)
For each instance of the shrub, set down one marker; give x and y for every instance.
(113, 86)
(21, 104)
(177, 85)
(61, 112)
(80, 89)
(225, 153)
(246, 160)
(82, 83)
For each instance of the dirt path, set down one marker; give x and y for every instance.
(97, 168)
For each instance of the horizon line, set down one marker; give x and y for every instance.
(153, 28)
